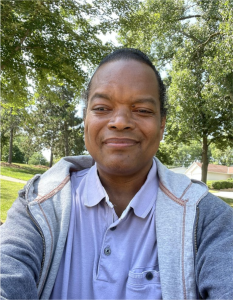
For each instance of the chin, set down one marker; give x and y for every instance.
(119, 167)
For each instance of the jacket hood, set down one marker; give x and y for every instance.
(179, 186)
(176, 185)
(49, 183)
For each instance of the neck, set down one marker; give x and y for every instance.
(121, 189)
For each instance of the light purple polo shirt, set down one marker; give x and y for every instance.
(107, 257)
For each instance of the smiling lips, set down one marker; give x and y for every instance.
(120, 142)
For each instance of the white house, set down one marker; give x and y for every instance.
(180, 170)
(214, 172)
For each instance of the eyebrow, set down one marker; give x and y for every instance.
(100, 95)
(143, 100)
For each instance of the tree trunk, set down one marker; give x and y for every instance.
(66, 135)
(11, 146)
(51, 157)
(1, 151)
(205, 160)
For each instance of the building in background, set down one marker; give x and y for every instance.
(214, 172)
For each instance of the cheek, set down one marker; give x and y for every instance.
(91, 132)
(87, 138)
(152, 131)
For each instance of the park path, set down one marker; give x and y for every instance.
(12, 179)
(224, 194)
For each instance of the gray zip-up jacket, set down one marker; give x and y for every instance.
(194, 236)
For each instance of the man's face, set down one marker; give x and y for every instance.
(123, 126)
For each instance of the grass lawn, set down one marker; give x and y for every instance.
(9, 192)
(21, 171)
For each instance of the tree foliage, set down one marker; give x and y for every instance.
(37, 158)
(43, 40)
(193, 41)
(55, 124)
(11, 124)
(181, 154)
(222, 157)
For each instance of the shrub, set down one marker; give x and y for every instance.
(37, 159)
(209, 184)
(216, 185)
(219, 185)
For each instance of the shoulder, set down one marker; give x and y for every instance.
(214, 216)
(213, 208)
(214, 260)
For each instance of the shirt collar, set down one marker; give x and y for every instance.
(145, 198)
(94, 191)
(141, 203)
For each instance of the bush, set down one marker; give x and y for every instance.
(219, 185)
(209, 184)
(17, 154)
(37, 159)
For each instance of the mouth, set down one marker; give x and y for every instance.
(120, 142)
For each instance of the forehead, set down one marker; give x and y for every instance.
(132, 75)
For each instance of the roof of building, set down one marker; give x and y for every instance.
(218, 168)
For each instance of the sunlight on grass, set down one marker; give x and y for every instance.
(9, 192)
(23, 172)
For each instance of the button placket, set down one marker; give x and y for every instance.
(107, 255)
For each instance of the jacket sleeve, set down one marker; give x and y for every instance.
(214, 259)
(21, 253)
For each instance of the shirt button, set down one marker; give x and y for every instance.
(113, 228)
(107, 251)
(149, 276)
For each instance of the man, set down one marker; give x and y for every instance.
(118, 224)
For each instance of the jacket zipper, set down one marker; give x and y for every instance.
(43, 239)
(195, 245)
(195, 231)
(36, 224)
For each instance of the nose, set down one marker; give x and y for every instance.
(121, 120)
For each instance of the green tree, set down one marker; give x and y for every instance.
(11, 122)
(56, 125)
(4, 131)
(180, 154)
(222, 157)
(17, 154)
(165, 153)
(43, 40)
(37, 159)
(26, 143)
(186, 154)
(193, 40)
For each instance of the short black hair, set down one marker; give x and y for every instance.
(133, 54)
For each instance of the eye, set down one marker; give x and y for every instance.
(143, 111)
(101, 109)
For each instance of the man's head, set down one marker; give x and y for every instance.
(133, 54)
(125, 119)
